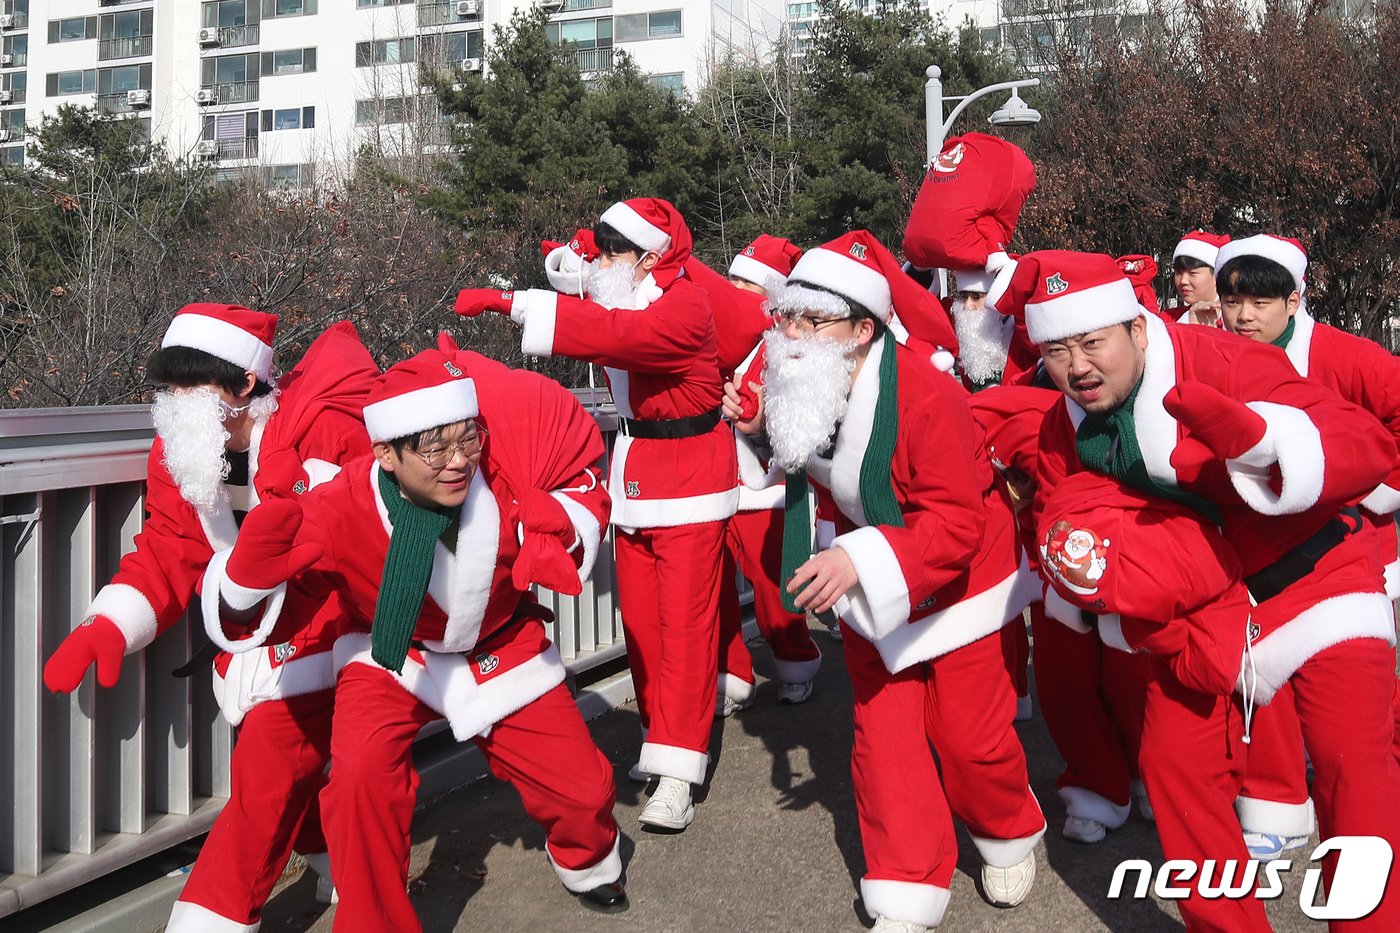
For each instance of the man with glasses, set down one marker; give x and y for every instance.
(229, 435)
(922, 574)
(430, 545)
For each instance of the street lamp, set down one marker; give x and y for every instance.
(1015, 112)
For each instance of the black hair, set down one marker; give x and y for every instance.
(1255, 277)
(425, 437)
(1186, 263)
(858, 310)
(186, 367)
(611, 242)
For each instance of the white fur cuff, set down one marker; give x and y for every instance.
(605, 871)
(188, 917)
(1111, 632)
(672, 761)
(1274, 818)
(880, 601)
(1004, 853)
(1088, 805)
(215, 577)
(1293, 442)
(536, 309)
(1383, 500)
(1064, 611)
(129, 610)
(906, 901)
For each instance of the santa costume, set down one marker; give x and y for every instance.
(754, 539)
(1203, 247)
(672, 478)
(1274, 803)
(1167, 587)
(1229, 427)
(439, 623)
(279, 698)
(930, 536)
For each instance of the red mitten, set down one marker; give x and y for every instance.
(280, 474)
(544, 556)
(97, 639)
(266, 554)
(1228, 428)
(541, 512)
(747, 394)
(473, 301)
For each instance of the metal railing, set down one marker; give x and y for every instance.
(591, 61)
(235, 92)
(233, 36)
(123, 47)
(101, 778)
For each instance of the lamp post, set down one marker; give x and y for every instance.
(1014, 112)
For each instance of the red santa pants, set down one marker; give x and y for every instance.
(1092, 698)
(544, 749)
(1274, 797)
(754, 543)
(278, 769)
(1193, 762)
(962, 703)
(1343, 698)
(668, 585)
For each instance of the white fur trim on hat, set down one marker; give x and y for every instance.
(996, 289)
(626, 221)
(1082, 312)
(848, 277)
(1269, 247)
(797, 297)
(228, 342)
(1197, 249)
(421, 409)
(974, 280)
(751, 270)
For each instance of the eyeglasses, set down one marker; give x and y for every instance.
(439, 456)
(808, 323)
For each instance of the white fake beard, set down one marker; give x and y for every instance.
(983, 339)
(806, 388)
(191, 426)
(613, 287)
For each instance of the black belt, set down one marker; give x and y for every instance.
(670, 429)
(1302, 560)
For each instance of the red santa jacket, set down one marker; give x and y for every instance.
(316, 428)
(1331, 454)
(949, 576)
(481, 650)
(1363, 372)
(661, 364)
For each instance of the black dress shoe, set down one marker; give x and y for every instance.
(606, 898)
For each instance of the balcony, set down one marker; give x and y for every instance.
(234, 92)
(123, 47)
(17, 21)
(592, 61)
(18, 96)
(442, 13)
(14, 59)
(231, 37)
(234, 149)
(574, 6)
(113, 103)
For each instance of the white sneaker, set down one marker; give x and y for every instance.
(1083, 829)
(320, 863)
(726, 705)
(1145, 807)
(670, 806)
(884, 924)
(1023, 709)
(637, 774)
(1265, 847)
(793, 694)
(1007, 887)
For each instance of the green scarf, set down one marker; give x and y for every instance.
(1108, 444)
(876, 489)
(1281, 341)
(407, 569)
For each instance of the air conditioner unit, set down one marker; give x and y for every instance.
(468, 7)
(207, 149)
(138, 98)
(6, 97)
(472, 64)
(7, 20)
(6, 60)
(209, 37)
(206, 95)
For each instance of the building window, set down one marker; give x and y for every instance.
(571, 6)
(12, 155)
(61, 83)
(125, 35)
(801, 10)
(383, 111)
(370, 4)
(17, 47)
(113, 83)
(17, 83)
(449, 48)
(235, 76)
(384, 52)
(638, 26)
(235, 133)
(230, 13)
(293, 118)
(13, 120)
(274, 9)
(288, 176)
(674, 82)
(584, 33)
(289, 62)
(74, 29)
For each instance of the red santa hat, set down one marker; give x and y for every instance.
(1283, 250)
(1169, 575)
(424, 391)
(765, 259)
(1201, 245)
(1062, 293)
(232, 333)
(657, 227)
(1141, 271)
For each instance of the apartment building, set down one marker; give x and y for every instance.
(286, 85)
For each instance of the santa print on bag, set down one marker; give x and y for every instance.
(1076, 556)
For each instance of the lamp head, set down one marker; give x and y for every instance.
(1015, 112)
